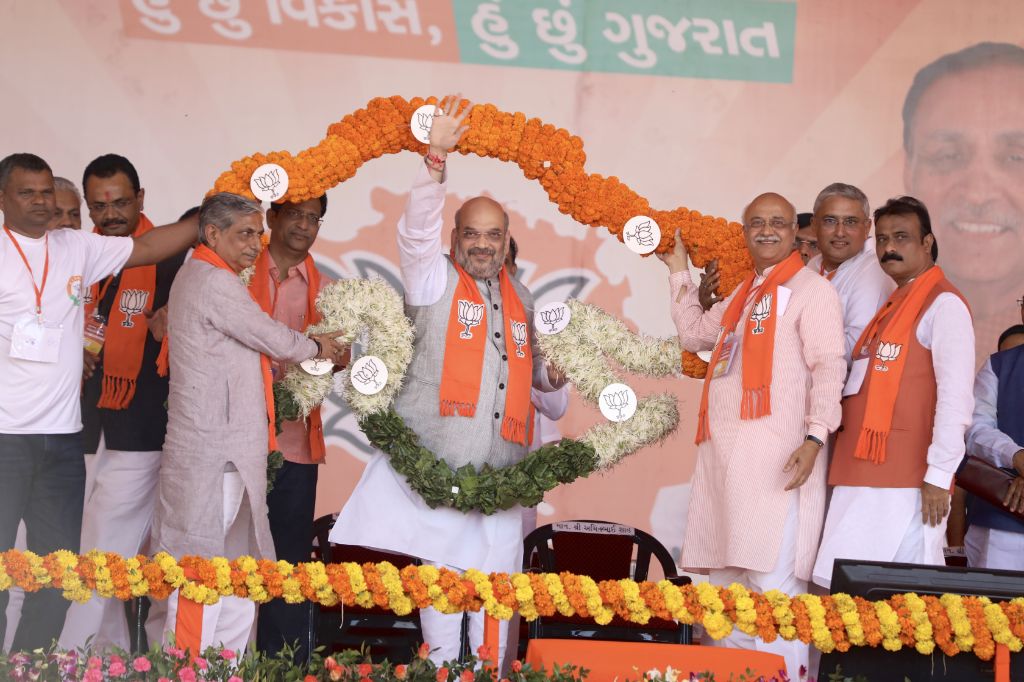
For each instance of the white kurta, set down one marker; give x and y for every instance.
(863, 287)
(383, 512)
(884, 524)
(991, 547)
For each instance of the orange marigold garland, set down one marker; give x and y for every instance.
(838, 622)
(551, 155)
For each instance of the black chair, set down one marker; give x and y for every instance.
(350, 627)
(603, 551)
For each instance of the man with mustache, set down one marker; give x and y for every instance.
(771, 398)
(841, 225)
(909, 403)
(123, 413)
(45, 276)
(286, 283)
(220, 426)
(963, 138)
(995, 538)
(467, 391)
(69, 205)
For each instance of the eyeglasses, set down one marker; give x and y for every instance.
(757, 224)
(810, 243)
(848, 221)
(493, 236)
(118, 206)
(303, 217)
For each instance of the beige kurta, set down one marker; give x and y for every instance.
(738, 504)
(217, 414)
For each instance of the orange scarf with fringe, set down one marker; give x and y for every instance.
(259, 287)
(465, 343)
(885, 340)
(208, 255)
(758, 343)
(125, 340)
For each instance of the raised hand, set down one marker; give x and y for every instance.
(676, 258)
(447, 128)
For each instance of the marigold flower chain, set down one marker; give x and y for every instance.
(953, 623)
(552, 156)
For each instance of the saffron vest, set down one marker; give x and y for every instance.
(913, 418)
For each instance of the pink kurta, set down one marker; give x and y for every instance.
(738, 503)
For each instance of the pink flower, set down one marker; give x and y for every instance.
(177, 653)
(141, 664)
(227, 654)
(164, 679)
(236, 678)
(401, 671)
(93, 675)
(365, 669)
(517, 666)
(187, 675)
(202, 664)
(424, 651)
(95, 662)
(117, 667)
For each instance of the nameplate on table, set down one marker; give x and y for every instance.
(591, 528)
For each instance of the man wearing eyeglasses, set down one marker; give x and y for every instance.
(841, 225)
(123, 415)
(285, 284)
(806, 241)
(771, 398)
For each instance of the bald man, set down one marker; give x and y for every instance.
(467, 391)
(771, 397)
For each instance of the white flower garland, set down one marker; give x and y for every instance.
(592, 329)
(357, 307)
(372, 308)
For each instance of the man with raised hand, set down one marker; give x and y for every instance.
(466, 395)
(46, 274)
(771, 397)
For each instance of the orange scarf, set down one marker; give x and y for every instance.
(465, 342)
(208, 255)
(259, 287)
(758, 344)
(125, 341)
(895, 322)
(827, 275)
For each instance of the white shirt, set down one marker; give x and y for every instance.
(984, 439)
(41, 397)
(863, 287)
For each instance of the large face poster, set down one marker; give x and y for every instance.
(697, 103)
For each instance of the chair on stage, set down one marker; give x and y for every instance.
(350, 627)
(603, 551)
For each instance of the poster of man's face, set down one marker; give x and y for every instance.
(964, 145)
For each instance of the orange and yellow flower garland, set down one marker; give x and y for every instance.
(552, 156)
(953, 623)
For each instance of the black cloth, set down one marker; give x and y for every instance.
(291, 505)
(141, 426)
(42, 480)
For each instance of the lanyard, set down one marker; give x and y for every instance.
(46, 269)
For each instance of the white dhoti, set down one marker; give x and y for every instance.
(877, 524)
(781, 577)
(229, 622)
(383, 512)
(993, 548)
(117, 517)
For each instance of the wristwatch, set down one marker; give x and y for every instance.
(816, 441)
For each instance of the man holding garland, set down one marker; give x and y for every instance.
(467, 391)
(771, 397)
